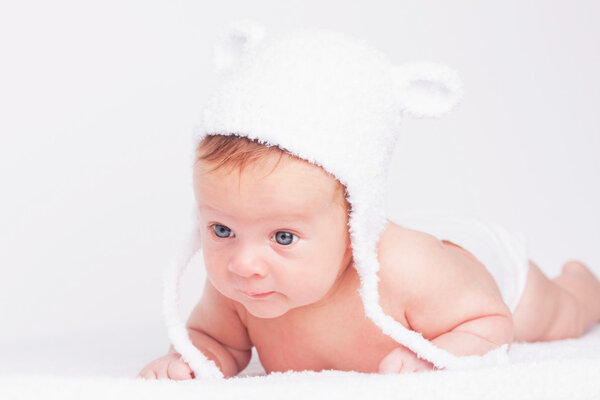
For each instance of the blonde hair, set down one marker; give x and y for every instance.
(233, 152)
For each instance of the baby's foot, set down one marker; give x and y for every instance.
(577, 267)
(586, 285)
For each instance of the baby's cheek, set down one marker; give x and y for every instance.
(214, 261)
(216, 273)
(306, 288)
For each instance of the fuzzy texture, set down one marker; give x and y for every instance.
(337, 103)
(68, 367)
(577, 379)
(176, 330)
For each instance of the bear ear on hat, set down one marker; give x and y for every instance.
(237, 40)
(427, 89)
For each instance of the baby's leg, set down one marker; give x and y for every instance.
(559, 308)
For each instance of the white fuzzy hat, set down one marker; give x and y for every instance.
(336, 103)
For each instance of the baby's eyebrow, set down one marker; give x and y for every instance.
(214, 210)
(273, 216)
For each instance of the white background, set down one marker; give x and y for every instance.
(98, 101)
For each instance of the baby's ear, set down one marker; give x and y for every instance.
(427, 89)
(237, 40)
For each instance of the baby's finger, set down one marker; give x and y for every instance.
(179, 370)
(146, 373)
(423, 365)
(162, 368)
(392, 363)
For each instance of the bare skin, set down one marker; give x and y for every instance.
(559, 308)
(433, 287)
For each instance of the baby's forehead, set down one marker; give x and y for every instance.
(269, 167)
(285, 182)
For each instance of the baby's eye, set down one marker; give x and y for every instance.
(285, 238)
(222, 231)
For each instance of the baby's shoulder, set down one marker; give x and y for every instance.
(433, 286)
(400, 248)
(403, 255)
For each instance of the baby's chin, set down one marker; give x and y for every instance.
(265, 308)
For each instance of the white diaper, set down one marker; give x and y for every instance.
(503, 253)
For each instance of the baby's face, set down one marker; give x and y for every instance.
(272, 241)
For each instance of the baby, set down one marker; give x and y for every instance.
(285, 231)
(280, 278)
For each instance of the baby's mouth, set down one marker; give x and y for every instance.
(258, 295)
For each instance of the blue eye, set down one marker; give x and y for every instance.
(285, 238)
(222, 231)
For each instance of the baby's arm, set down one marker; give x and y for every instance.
(215, 328)
(447, 304)
(477, 336)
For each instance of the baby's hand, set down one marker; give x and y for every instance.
(402, 360)
(170, 366)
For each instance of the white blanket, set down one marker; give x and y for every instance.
(567, 369)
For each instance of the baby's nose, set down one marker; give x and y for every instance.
(248, 264)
